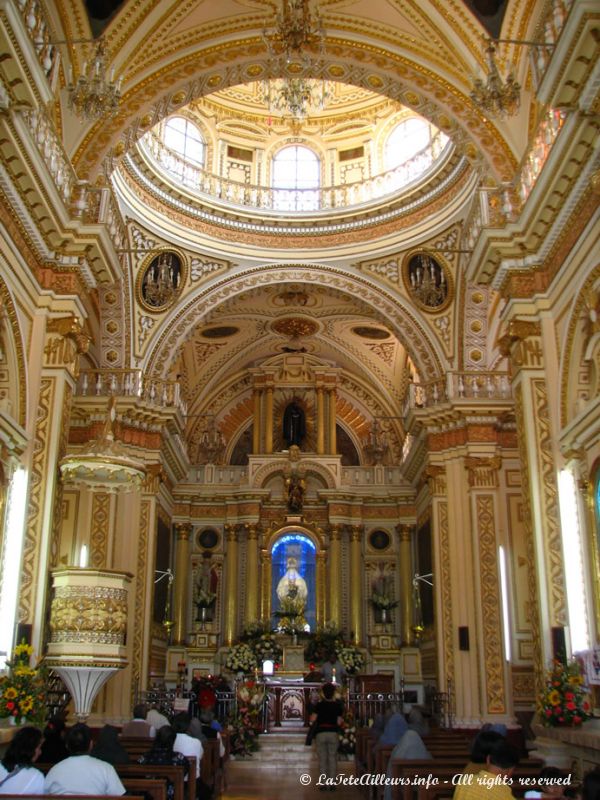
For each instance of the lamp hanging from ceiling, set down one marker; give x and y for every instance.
(295, 97)
(95, 95)
(495, 97)
(295, 29)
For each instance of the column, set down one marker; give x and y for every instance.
(231, 596)
(335, 574)
(406, 579)
(252, 598)
(356, 595)
(523, 343)
(62, 341)
(269, 420)
(256, 431)
(183, 537)
(265, 595)
(320, 421)
(321, 584)
(332, 421)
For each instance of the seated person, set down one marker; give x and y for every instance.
(395, 727)
(162, 752)
(53, 744)
(480, 750)
(80, 773)
(108, 747)
(409, 748)
(139, 726)
(550, 784)
(156, 719)
(186, 744)
(417, 721)
(209, 731)
(17, 773)
(489, 784)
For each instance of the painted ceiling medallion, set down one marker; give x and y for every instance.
(220, 332)
(295, 327)
(160, 280)
(368, 332)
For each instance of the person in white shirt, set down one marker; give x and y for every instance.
(18, 775)
(156, 719)
(81, 773)
(184, 743)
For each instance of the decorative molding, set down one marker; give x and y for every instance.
(99, 530)
(483, 472)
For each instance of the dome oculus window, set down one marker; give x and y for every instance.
(296, 178)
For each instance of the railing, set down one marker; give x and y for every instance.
(130, 383)
(38, 28)
(50, 148)
(282, 199)
(371, 476)
(457, 386)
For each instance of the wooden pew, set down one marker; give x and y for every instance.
(155, 788)
(136, 746)
(184, 790)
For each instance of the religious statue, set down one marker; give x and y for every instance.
(295, 491)
(292, 592)
(294, 425)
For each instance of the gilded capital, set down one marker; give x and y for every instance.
(230, 532)
(483, 472)
(335, 532)
(183, 530)
(404, 532)
(356, 533)
(518, 330)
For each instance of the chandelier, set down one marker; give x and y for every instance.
(95, 95)
(160, 282)
(495, 97)
(427, 281)
(295, 97)
(295, 28)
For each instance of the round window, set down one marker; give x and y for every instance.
(379, 540)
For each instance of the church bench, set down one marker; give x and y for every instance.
(360, 751)
(154, 788)
(136, 746)
(184, 790)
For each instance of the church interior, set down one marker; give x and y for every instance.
(300, 331)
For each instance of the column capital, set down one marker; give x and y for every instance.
(183, 530)
(519, 343)
(483, 472)
(230, 532)
(356, 533)
(335, 532)
(252, 530)
(65, 342)
(405, 531)
(435, 476)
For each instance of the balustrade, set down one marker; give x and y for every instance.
(130, 383)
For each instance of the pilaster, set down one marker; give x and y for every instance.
(183, 538)
(231, 585)
(356, 595)
(335, 574)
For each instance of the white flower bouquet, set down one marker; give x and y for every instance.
(241, 658)
(351, 658)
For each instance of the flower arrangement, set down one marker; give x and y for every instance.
(245, 725)
(241, 658)
(351, 658)
(563, 701)
(23, 690)
(383, 601)
(347, 735)
(321, 644)
(266, 646)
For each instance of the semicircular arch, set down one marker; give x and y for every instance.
(424, 350)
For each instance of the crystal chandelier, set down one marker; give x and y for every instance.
(94, 95)
(159, 286)
(295, 29)
(295, 97)
(495, 97)
(427, 281)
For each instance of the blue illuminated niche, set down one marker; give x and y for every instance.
(302, 551)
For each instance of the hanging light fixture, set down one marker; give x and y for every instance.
(376, 446)
(95, 95)
(295, 97)
(495, 97)
(212, 445)
(427, 280)
(295, 29)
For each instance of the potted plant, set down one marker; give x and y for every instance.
(384, 604)
(204, 600)
(563, 702)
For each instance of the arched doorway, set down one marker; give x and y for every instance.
(294, 578)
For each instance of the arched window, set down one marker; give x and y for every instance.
(410, 149)
(185, 139)
(296, 177)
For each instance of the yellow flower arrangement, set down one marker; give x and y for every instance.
(22, 690)
(563, 701)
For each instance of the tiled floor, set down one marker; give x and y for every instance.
(285, 769)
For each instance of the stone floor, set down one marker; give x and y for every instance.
(284, 768)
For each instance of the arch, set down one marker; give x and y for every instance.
(423, 349)
(228, 64)
(267, 471)
(13, 387)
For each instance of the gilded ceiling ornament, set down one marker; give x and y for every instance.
(295, 327)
